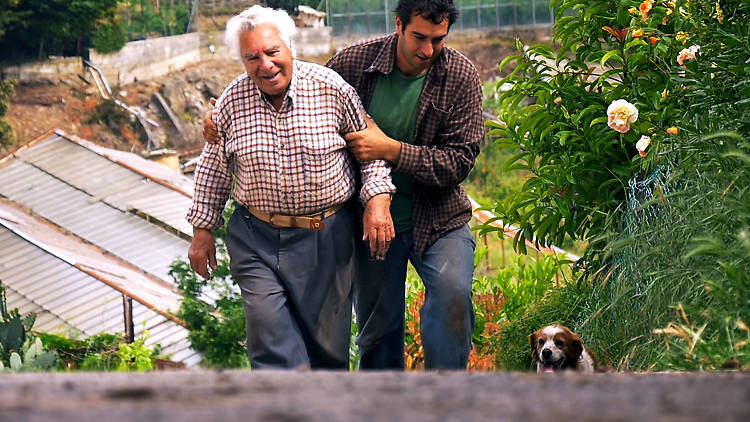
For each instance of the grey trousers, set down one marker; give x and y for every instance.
(296, 286)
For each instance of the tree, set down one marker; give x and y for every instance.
(36, 28)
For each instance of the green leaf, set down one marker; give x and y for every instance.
(634, 43)
(12, 334)
(508, 60)
(614, 54)
(598, 120)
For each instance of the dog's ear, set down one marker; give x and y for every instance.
(576, 345)
(533, 343)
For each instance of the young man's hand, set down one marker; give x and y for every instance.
(210, 131)
(372, 144)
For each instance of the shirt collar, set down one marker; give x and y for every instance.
(386, 58)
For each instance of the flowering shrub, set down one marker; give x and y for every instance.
(587, 117)
(662, 199)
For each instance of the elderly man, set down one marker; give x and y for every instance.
(291, 237)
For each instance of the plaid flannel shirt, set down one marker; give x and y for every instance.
(448, 135)
(292, 161)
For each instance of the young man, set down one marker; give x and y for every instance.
(291, 238)
(426, 100)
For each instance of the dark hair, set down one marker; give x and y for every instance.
(433, 10)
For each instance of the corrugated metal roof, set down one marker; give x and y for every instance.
(94, 197)
(120, 179)
(75, 287)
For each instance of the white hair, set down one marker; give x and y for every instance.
(258, 15)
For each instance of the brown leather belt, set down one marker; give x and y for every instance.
(312, 221)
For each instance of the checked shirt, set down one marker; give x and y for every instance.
(292, 161)
(448, 135)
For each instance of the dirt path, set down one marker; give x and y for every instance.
(327, 396)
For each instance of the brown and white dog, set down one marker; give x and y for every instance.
(556, 348)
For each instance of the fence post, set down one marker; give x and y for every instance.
(127, 307)
(479, 17)
(387, 17)
(348, 18)
(367, 17)
(497, 15)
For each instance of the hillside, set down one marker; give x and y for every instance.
(75, 105)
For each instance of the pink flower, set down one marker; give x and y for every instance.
(620, 114)
(687, 54)
(642, 144)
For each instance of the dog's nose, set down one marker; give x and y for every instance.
(546, 353)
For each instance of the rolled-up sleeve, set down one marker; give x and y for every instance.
(213, 178)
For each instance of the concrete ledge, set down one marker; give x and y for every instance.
(384, 396)
(53, 69)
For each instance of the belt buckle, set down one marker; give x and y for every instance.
(316, 224)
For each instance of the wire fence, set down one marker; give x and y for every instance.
(373, 17)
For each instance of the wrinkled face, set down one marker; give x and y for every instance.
(555, 348)
(267, 61)
(419, 43)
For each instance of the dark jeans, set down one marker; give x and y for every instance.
(296, 287)
(447, 317)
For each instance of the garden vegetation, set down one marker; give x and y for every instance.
(635, 132)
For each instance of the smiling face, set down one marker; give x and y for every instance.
(267, 60)
(419, 44)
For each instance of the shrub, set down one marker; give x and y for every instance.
(95, 353)
(7, 134)
(499, 301)
(662, 203)
(213, 309)
(110, 37)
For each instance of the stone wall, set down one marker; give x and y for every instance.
(147, 59)
(309, 42)
(53, 69)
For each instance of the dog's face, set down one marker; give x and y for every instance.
(555, 347)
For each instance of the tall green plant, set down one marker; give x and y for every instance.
(651, 192)
(213, 309)
(556, 114)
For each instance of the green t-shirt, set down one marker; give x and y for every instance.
(394, 109)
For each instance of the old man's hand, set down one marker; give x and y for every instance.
(378, 226)
(202, 252)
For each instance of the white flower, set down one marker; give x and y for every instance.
(642, 144)
(687, 54)
(620, 114)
